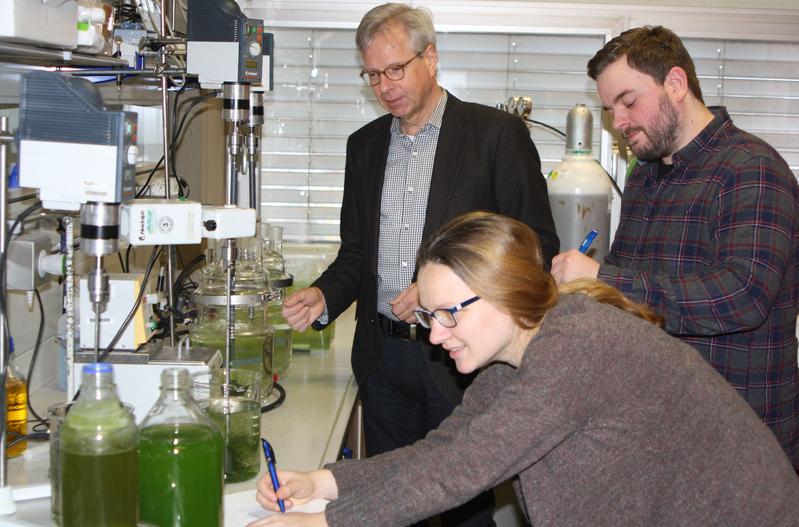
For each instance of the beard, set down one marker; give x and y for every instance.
(662, 133)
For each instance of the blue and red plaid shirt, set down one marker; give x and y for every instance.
(713, 246)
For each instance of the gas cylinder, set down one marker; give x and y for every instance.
(579, 190)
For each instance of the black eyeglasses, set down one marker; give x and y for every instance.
(445, 315)
(392, 73)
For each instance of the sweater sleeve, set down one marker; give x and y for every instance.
(507, 422)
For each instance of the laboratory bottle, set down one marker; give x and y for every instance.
(273, 261)
(181, 459)
(98, 456)
(252, 342)
(279, 281)
(16, 405)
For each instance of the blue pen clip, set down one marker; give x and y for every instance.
(589, 239)
(270, 463)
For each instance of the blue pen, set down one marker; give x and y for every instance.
(589, 239)
(270, 463)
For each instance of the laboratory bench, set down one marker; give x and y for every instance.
(307, 431)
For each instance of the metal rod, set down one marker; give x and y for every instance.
(75, 59)
(98, 309)
(252, 169)
(69, 235)
(3, 337)
(167, 166)
(229, 257)
(111, 73)
(232, 165)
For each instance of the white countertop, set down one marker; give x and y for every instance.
(306, 431)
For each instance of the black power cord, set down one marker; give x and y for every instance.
(194, 102)
(36, 347)
(281, 397)
(150, 265)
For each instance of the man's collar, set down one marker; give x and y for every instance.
(436, 118)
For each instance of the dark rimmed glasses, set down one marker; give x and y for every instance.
(445, 315)
(392, 73)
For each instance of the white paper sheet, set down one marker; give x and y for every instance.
(241, 508)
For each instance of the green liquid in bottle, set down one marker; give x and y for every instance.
(180, 475)
(99, 490)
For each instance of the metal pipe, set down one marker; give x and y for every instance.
(167, 166)
(5, 138)
(252, 169)
(97, 303)
(232, 165)
(69, 237)
(22, 50)
(148, 71)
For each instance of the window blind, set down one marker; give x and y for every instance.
(758, 82)
(319, 100)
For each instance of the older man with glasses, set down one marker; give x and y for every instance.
(430, 159)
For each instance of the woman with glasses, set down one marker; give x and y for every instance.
(600, 416)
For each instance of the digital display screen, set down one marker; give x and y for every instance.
(251, 64)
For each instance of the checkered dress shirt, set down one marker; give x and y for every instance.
(714, 247)
(403, 205)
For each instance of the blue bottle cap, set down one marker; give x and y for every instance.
(96, 368)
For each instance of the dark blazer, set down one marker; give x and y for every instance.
(485, 160)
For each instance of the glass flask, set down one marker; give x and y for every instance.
(252, 343)
(16, 405)
(305, 263)
(279, 282)
(181, 457)
(235, 408)
(98, 456)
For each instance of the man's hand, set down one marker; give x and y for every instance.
(573, 264)
(302, 308)
(405, 303)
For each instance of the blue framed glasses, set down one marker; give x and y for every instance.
(445, 315)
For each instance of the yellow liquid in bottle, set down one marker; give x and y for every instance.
(17, 416)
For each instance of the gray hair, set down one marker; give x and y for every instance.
(416, 21)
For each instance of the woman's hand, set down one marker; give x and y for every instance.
(296, 488)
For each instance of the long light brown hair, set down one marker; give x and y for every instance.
(500, 259)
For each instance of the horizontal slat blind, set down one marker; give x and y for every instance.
(758, 82)
(319, 100)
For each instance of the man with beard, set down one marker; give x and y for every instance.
(709, 229)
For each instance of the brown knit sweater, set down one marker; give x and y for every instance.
(607, 421)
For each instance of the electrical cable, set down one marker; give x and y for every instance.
(187, 270)
(35, 355)
(281, 397)
(20, 217)
(34, 436)
(545, 125)
(194, 102)
(121, 262)
(150, 265)
(127, 258)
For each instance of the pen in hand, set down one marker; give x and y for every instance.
(589, 238)
(270, 463)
